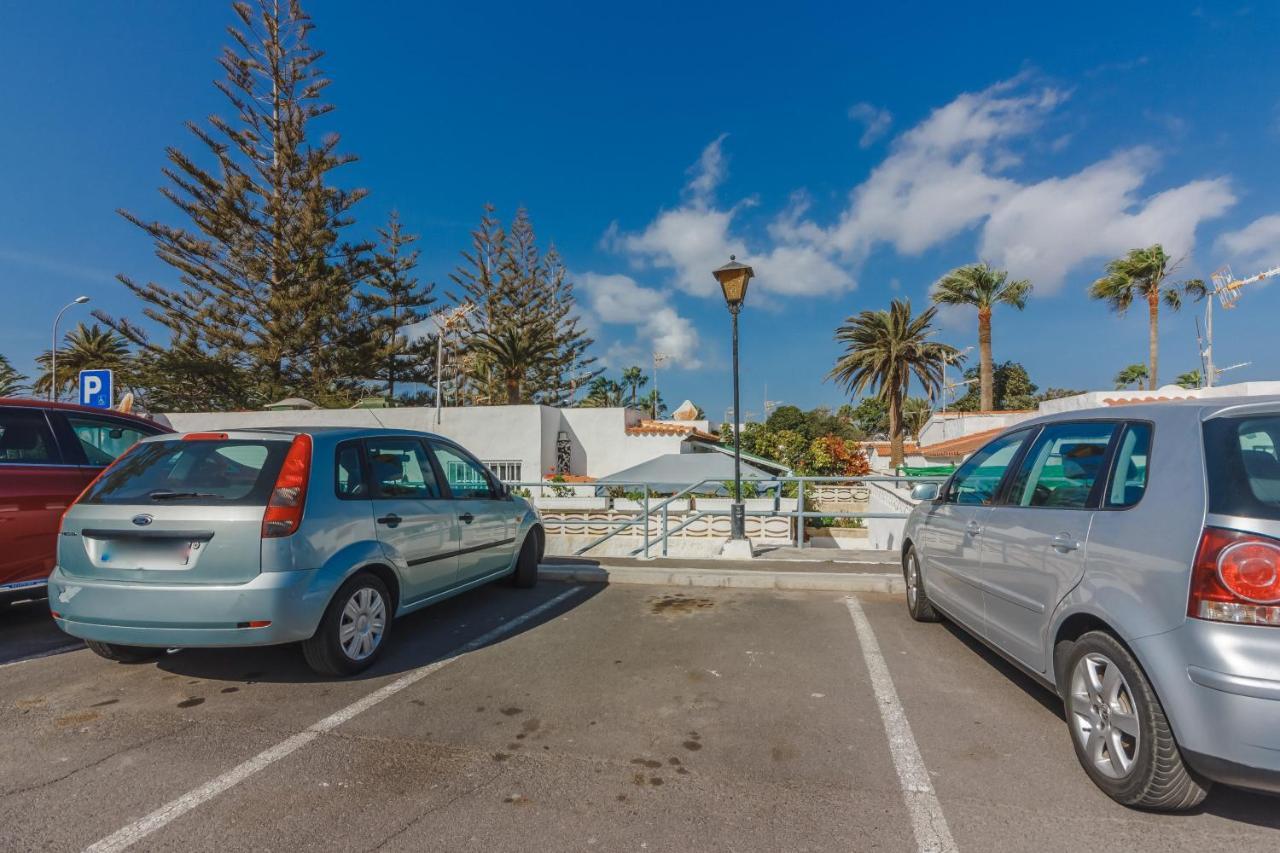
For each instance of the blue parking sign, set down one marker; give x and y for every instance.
(96, 389)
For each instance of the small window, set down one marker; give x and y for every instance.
(1129, 481)
(401, 470)
(349, 483)
(25, 438)
(103, 439)
(1060, 469)
(975, 482)
(1243, 466)
(467, 477)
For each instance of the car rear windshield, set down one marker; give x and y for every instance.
(193, 473)
(1243, 458)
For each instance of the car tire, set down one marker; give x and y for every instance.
(526, 573)
(918, 604)
(353, 631)
(1141, 766)
(124, 654)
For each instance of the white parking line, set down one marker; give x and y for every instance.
(174, 809)
(927, 820)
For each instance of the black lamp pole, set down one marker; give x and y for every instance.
(737, 513)
(734, 278)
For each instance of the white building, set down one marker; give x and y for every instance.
(519, 443)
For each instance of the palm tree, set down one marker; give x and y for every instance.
(1134, 374)
(12, 383)
(883, 350)
(86, 348)
(983, 287)
(512, 352)
(1192, 379)
(1142, 272)
(603, 393)
(634, 378)
(916, 412)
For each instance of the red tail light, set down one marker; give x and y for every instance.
(289, 496)
(1236, 578)
(94, 482)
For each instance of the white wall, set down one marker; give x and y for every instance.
(945, 427)
(599, 442)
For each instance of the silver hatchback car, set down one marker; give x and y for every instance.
(264, 536)
(1129, 559)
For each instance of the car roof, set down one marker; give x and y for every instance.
(1200, 408)
(28, 403)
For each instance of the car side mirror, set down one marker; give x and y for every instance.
(504, 490)
(925, 492)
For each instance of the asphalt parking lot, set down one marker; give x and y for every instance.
(571, 718)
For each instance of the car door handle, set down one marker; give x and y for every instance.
(390, 519)
(466, 518)
(1065, 542)
(973, 528)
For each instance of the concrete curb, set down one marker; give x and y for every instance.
(726, 578)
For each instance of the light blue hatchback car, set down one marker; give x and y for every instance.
(265, 536)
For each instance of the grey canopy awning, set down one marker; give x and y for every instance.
(672, 472)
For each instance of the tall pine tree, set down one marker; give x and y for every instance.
(524, 335)
(264, 304)
(393, 301)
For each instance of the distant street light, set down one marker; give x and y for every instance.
(53, 353)
(444, 321)
(659, 359)
(734, 278)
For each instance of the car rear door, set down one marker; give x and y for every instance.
(414, 518)
(486, 519)
(36, 485)
(954, 527)
(1033, 547)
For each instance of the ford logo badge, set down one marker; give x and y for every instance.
(143, 520)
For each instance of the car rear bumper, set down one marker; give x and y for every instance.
(186, 615)
(1219, 684)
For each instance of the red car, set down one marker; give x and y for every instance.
(48, 453)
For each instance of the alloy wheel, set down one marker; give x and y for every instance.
(1104, 717)
(364, 620)
(913, 580)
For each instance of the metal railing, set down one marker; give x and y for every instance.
(648, 508)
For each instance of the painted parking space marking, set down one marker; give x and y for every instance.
(928, 823)
(170, 811)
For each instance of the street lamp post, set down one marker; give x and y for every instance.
(53, 353)
(733, 278)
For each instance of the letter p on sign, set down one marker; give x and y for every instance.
(96, 389)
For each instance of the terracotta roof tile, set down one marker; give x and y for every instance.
(1133, 401)
(961, 446)
(649, 427)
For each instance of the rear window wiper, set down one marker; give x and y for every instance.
(169, 496)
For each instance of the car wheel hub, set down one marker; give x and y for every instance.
(1103, 716)
(363, 623)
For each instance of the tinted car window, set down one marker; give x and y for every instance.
(1062, 465)
(25, 438)
(103, 439)
(976, 481)
(349, 481)
(467, 477)
(1243, 465)
(1129, 481)
(193, 473)
(400, 469)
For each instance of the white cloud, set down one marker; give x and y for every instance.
(875, 122)
(1043, 230)
(620, 300)
(1255, 245)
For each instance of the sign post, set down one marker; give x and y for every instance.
(97, 389)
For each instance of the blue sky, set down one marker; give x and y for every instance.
(851, 154)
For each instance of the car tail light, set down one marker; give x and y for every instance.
(1236, 578)
(94, 482)
(289, 495)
